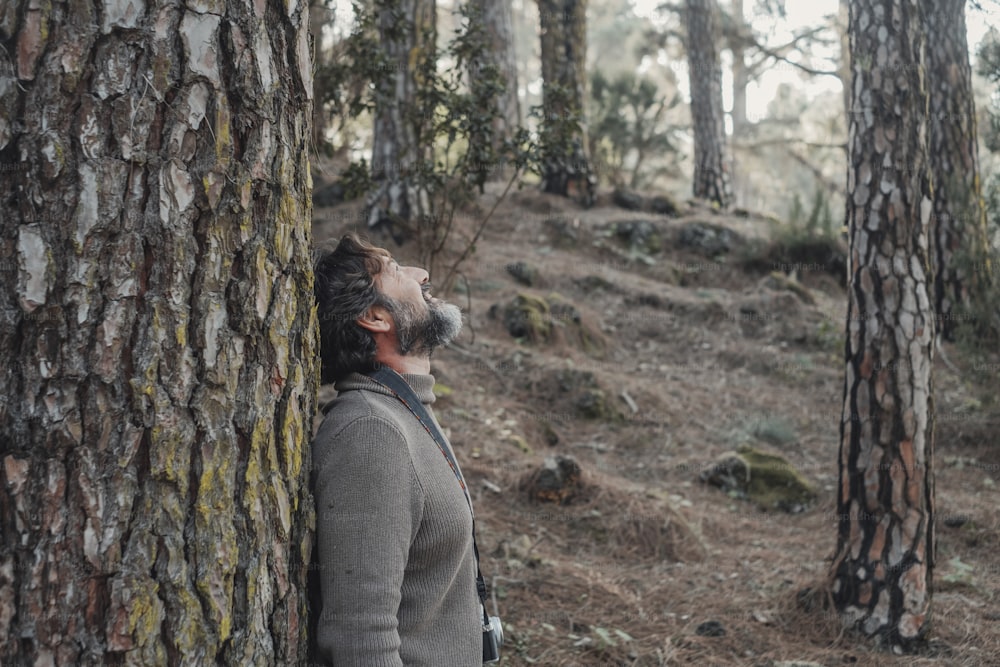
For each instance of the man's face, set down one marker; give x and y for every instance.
(423, 323)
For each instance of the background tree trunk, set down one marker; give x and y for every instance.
(159, 351)
(711, 173)
(321, 17)
(498, 25)
(741, 79)
(407, 34)
(885, 542)
(958, 227)
(567, 169)
(844, 64)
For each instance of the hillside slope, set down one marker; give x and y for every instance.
(656, 345)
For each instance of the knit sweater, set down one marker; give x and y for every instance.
(394, 534)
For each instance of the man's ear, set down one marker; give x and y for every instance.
(376, 320)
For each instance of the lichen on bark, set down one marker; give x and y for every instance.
(153, 493)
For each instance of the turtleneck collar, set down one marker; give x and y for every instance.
(422, 385)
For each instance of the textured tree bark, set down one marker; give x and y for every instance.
(501, 57)
(158, 340)
(567, 170)
(711, 173)
(882, 571)
(958, 226)
(406, 33)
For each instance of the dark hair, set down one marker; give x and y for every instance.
(345, 289)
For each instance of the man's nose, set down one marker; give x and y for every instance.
(418, 274)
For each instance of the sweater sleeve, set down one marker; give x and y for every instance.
(369, 505)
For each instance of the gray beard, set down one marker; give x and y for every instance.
(419, 333)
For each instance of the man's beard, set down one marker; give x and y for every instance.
(421, 333)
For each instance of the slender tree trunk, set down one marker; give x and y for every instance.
(741, 79)
(958, 227)
(711, 173)
(501, 58)
(158, 342)
(567, 169)
(882, 571)
(407, 34)
(844, 64)
(741, 73)
(320, 17)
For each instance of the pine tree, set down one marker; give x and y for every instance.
(158, 344)
(711, 173)
(882, 570)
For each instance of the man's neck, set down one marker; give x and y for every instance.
(410, 365)
(406, 364)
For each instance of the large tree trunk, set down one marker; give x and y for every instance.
(885, 547)
(711, 173)
(501, 58)
(407, 34)
(958, 227)
(159, 351)
(567, 170)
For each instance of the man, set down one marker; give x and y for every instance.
(396, 563)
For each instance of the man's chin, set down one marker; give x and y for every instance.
(442, 324)
(450, 321)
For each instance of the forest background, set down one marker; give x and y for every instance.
(680, 449)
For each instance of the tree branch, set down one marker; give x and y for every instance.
(785, 141)
(779, 52)
(804, 68)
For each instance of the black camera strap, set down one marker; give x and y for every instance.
(399, 388)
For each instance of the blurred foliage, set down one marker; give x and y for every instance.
(451, 119)
(819, 221)
(627, 125)
(356, 179)
(989, 68)
(978, 321)
(559, 155)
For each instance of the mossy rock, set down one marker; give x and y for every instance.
(641, 235)
(576, 330)
(768, 480)
(594, 404)
(523, 272)
(528, 316)
(792, 252)
(664, 205)
(708, 239)
(627, 199)
(558, 480)
(563, 311)
(588, 398)
(561, 232)
(544, 320)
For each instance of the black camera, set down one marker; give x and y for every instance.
(492, 639)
